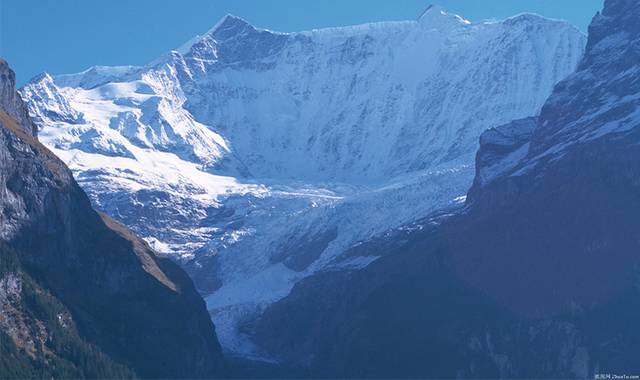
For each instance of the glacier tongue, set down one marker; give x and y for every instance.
(258, 158)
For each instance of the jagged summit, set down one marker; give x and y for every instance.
(42, 77)
(616, 31)
(228, 26)
(237, 33)
(10, 102)
(229, 23)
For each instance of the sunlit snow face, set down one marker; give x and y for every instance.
(246, 142)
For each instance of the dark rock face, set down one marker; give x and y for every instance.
(602, 96)
(11, 103)
(410, 316)
(139, 310)
(501, 149)
(542, 242)
(565, 209)
(307, 251)
(536, 277)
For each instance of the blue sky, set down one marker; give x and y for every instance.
(66, 36)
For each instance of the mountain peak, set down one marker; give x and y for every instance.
(10, 101)
(42, 77)
(529, 18)
(435, 15)
(229, 25)
(614, 30)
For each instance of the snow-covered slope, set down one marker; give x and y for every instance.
(258, 157)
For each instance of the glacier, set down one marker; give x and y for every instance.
(257, 158)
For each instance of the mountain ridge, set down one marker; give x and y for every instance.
(122, 311)
(534, 276)
(254, 158)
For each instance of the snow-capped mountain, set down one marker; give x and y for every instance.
(80, 295)
(257, 158)
(535, 276)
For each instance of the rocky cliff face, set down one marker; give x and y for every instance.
(11, 103)
(573, 176)
(140, 311)
(535, 276)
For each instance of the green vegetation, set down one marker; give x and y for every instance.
(53, 348)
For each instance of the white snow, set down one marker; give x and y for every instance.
(247, 146)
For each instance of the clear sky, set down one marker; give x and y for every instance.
(67, 36)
